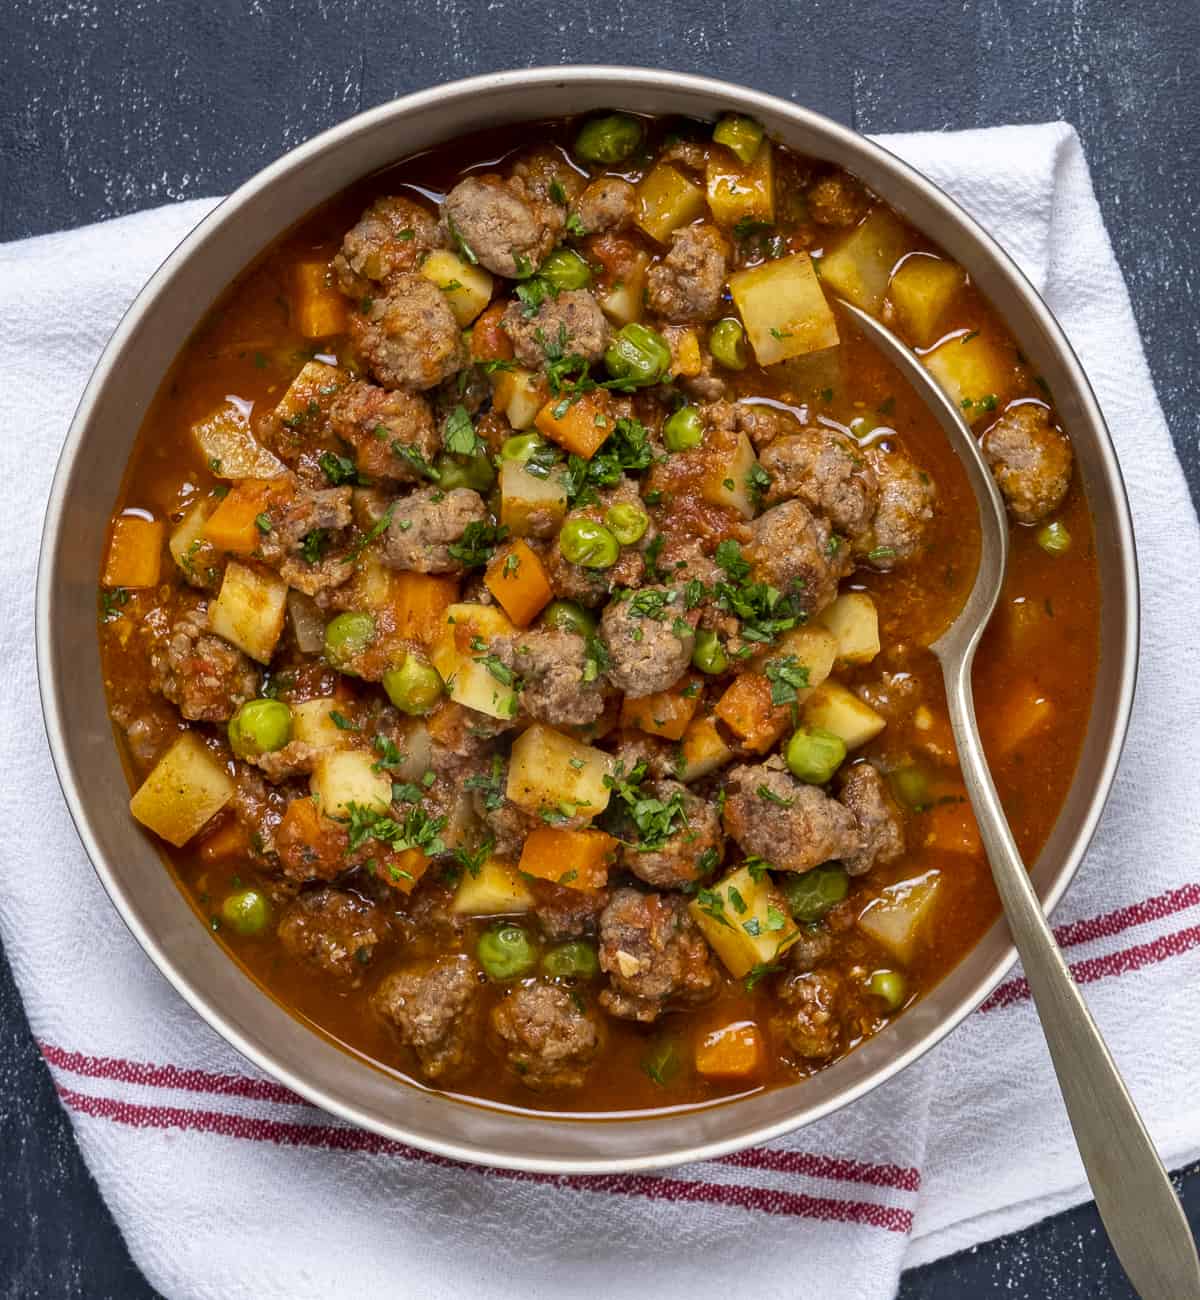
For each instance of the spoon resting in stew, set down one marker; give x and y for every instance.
(1133, 1192)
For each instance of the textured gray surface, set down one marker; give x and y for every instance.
(108, 106)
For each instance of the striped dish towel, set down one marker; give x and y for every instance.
(227, 1185)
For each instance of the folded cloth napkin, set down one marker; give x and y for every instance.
(228, 1186)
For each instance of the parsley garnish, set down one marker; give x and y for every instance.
(478, 543)
(337, 469)
(758, 971)
(459, 436)
(340, 721)
(473, 859)
(788, 676)
(263, 522)
(416, 460)
(417, 831)
(112, 602)
(390, 756)
(491, 784)
(312, 547)
(460, 243)
(768, 795)
(712, 904)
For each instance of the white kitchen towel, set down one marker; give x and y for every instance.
(227, 1186)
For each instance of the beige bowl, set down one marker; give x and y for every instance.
(81, 738)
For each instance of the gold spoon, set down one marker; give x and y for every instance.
(1137, 1203)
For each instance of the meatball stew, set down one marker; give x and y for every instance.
(515, 616)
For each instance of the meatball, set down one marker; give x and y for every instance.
(435, 1010)
(762, 424)
(687, 285)
(796, 552)
(570, 324)
(425, 524)
(691, 852)
(553, 668)
(635, 746)
(826, 471)
(654, 955)
(905, 510)
(392, 433)
(201, 673)
(879, 821)
(566, 913)
(837, 200)
(295, 516)
(813, 946)
(792, 825)
(806, 1021)
(649, 638)
(408, 335)
(547, 1035)
(333, 930)
(508, 233)
(608, 203)
(506, 822)
(392, 236)
(543, 175)
(1031, 460)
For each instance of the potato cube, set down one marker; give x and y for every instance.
(686, 358)
(813, 647)
(783, 308)
(188, 548)
(134, 552)
(474, 678)
(703, 750)
(229, 449)
(550, 770)
(922, 290)
(496, 890)
(666, 200)
(624, 301)
(468, 289)
(897, 918)
(186, 789)
(312, 723)
(746, 921)
(854, 621)
(309, 395)
(249, 610)
(833, 708)
(739, 191)
(318, 308)
(342, 777)
(975, 373)
(860, 267)
(529, 502)
(727, 482)
(519, 395)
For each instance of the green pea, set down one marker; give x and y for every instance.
(587, 543)
(627, 522)
(506, 952)
(638, 355)
(475, 472)
(742, 135)
(683, 430)
(247, 911)
(565, 269)
(910, 784)
(260, 727)
(415, 687)
(814, 755)
(811, 894)
(889, 985)
(521, 447)
(1054, 538)
(574, 960)
(727, 343)
(567, 616)
(346, 636)
(709, 654)
(610, 139)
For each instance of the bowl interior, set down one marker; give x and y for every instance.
(81, 737)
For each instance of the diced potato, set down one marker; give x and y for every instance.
(1021, 715)
(702, 750)
(686, 358)
(813, 647)
(550, 770)
(746, 921)
(306, 621)
(468, 288)
(519, 395)
(833, 708)
(461, 664)
(783, 308)
(186, 789)
(854, 621)
(951, 828)
(312, 723)
(249, 610)
(233, 527)
(310, 393)
(526, 499)
(461, 830)
(318, 308)
(186, 543)
(582, 427)
(624, 301)
(134, 552)
(342, 777)
(497, 890)
(976, 375)
(816, 376)
(666, 713)
(733, 1052)
(469, 621)
(517, 578)
(747, 711)
(666, 200)
(898, 917)
(727, 482)
(922, 290)
(738, 191)
(576, 859)
(860, 267)
(230, 450)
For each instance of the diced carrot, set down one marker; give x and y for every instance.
(134, 553)
(234, 526)
(579, 426)
(319, 310)
(734, 1051)
(229, 840)
(747, 711)
(577, 859)
(420, 601)
(402, 870)
(951, 828)
(1024, 713)
(666, 713)
(488, 341)
(517, 578)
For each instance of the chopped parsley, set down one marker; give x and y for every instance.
(312, 547)
(340, 721)
(459, 436)
(768, 795)
(759, 971)
(112, 602)
(478, 543)
(490, 784)
(263, 522)
(627, 449)
(712, 904)
(337, 469)
(417, 831)
(757, 483)
(575, 225)
(379, 527)
(460, 243)
(472, 860)
(656, 820)
(788, 676)
(413, 457)
(390, 756)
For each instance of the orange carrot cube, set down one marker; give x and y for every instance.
(236, 526)
(134, 553)
(734, 1052)
(318, 306)
(666, 713)
(577, 859)
(747, 711)
(517, 578)
(580, 426)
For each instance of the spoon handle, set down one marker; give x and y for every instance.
(1137, 1203)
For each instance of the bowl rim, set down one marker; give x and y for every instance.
(614, 79)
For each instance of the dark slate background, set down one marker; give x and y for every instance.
(107, 107)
